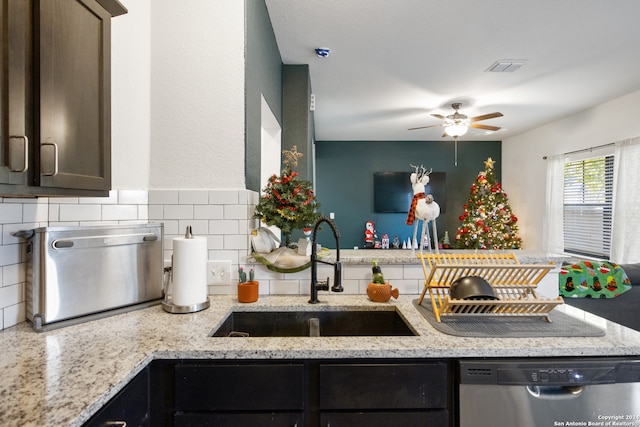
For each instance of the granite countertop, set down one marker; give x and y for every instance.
(407, 256)
(63, 376)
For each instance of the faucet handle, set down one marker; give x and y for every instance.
(323, 285)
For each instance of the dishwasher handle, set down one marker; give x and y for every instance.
(554, 392)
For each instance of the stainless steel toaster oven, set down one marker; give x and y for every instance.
(80, 273)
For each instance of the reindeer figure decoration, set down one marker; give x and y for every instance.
(423, 207)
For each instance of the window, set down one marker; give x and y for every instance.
(588, 196)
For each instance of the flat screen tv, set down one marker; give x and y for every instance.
(392, 191)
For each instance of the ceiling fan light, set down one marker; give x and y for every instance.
(456, 130)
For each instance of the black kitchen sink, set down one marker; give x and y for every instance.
(327, 323)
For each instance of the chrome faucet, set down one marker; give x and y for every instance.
(337, 266)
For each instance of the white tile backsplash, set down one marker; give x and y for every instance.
(224, 217)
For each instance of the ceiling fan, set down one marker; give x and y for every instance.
(457, 124)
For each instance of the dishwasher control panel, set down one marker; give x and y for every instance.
(549, 371)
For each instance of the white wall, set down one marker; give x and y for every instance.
(130, 96)
(523, 167)
(197, 94)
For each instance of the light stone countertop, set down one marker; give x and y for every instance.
(63, 376)
(407, 256)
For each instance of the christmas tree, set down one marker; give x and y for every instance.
(288, 202)
(487, 221)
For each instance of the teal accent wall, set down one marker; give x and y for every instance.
(263, 76)
(344, 182)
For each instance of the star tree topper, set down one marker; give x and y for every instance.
(291, 156)
(488, 163)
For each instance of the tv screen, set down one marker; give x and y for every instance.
(392, 191)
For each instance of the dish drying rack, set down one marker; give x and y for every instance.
(513, 283)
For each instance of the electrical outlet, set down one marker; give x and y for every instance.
(218, 272)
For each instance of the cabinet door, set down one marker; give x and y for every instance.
(73, 94)
(236, 388)
(15, 27)
(383, 386)
(129, 407)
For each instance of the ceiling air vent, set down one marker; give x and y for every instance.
(505, 66)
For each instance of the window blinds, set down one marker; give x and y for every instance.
(588, 196)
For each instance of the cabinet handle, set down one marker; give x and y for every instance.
(48, 159)
(15, 151)
(115, 424)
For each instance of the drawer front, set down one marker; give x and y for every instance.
(239, 388)
(235, 420)
(389, 386)
(436, 418)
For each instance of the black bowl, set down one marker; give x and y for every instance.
(471, 287)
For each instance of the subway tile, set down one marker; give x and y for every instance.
(112, 199)
(10, 213)
(215, 242)
(414, 272)
(284, 287)
(224, 227)
(10, 254)
(133, 197)
(193, 197)
(239, 242)
(13, 315)
(119, 212)
(163, 197)
(217, 253)
(237, 212)
(156, 212)
(54, 212)
(67, 200)
(12, 295)
(80, 213)
(208, 212)
(143, 212)
(178, 212)
(35, 212)
(171, 226)
(223, 197)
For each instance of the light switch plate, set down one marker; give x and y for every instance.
(218, 272)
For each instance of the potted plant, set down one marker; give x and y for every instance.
(247, 290)
(378, 290)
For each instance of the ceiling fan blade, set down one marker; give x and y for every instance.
(425, 127)
(485, 127)
(486, 117)
(439, 116)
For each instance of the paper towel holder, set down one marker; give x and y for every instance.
(170, 307)
(168, 304)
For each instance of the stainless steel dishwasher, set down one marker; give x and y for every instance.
(549, 392)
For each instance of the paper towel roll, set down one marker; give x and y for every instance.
(189, 271)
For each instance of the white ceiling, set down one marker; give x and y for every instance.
(394, 62)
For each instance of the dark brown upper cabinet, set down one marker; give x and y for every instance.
(56, 97)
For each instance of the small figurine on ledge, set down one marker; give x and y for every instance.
(369, 235)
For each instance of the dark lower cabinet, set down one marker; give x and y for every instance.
(130, 407)
(312, 393)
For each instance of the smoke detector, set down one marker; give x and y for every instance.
(322, 52)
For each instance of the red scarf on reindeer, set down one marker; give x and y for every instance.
(411, 216)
